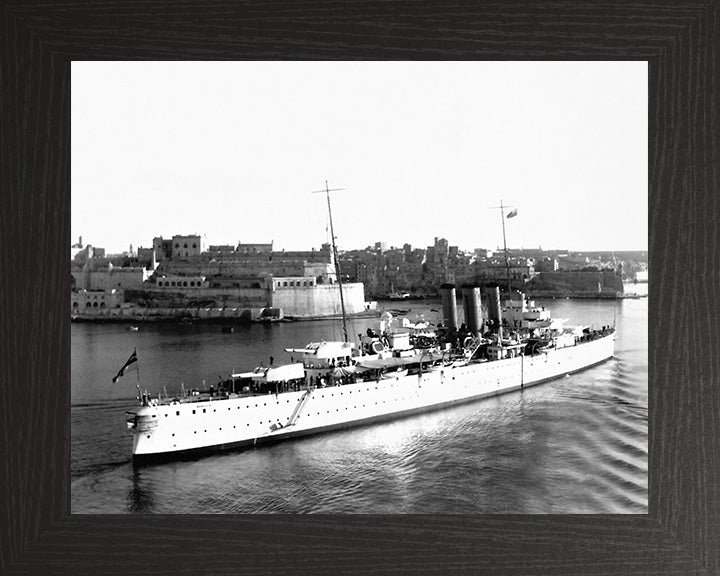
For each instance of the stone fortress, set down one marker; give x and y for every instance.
(182, 278)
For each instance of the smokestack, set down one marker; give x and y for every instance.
(494, 313)
(472, 309)
(447, 291)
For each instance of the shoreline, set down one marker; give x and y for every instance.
(189, 319)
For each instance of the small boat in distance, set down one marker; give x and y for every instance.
(399, 296)
(134, 328)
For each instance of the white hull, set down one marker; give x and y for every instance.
(173, 430)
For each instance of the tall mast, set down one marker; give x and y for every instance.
(335, 257)
(507, 262)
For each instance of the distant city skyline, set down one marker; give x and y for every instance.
(371, 245)
(233, 150)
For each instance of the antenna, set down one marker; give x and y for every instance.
(335, 256)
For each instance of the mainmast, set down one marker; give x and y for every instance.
(507, 261)
(335, 257)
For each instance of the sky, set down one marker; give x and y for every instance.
(232, 151)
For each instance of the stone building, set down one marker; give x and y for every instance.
(186, 247)
(110, 277)
(95, 302)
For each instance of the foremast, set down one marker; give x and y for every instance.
(338, 276)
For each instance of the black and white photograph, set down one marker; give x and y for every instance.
(359, 287)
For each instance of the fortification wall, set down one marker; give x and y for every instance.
(320, 300)
(161, 314)
(108, 279)
(182, 297)
(603, 283)
(234, 268)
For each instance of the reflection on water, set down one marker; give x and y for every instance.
(141, 497)
(574, 445)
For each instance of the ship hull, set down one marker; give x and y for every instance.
(192, 429)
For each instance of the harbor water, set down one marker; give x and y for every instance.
(577, 444)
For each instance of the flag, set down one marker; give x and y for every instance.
(132, 360)
(513, 213)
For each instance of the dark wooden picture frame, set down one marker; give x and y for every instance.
(681, 533)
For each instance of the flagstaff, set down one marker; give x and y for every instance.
(511, 214)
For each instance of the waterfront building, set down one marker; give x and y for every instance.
(170, 282)
(520, 269)
(95, 302)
